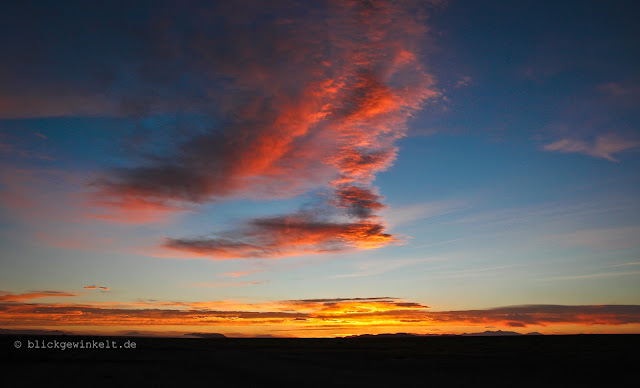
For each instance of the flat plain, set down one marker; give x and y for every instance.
(558, 361)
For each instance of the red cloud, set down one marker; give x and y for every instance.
(308, 99)
(296, 234)
(360, 315)
(95, 288)
(129, 209)
(9, 297)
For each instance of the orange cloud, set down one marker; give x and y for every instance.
(306, 316)
(543, 315)
(316, 101)
(296, 234)
(359, 202)
(9, 297)
(227, 284)
(128, 209)
(238, 274)
(80, 240)
(95, 288)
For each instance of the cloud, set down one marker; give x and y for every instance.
(227, 284)
(376, 267)
(632, 263)
(238, 274)
(95, 288)
(603, 146)
(296, 234)
(334, 300)
(359, 202)
(463, 81)
(542, 315)
(629, 90)
(49, 104)
(595, 275)
(11, 150)
(128, 210)
(80, 240)
(603, 238)
(307, 98)
(361, 315)
(50, 70)
(9, 297)
(404, 214)
(28, 192)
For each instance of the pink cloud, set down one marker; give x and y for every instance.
(603, 146)
(327, 117)
(10, 297)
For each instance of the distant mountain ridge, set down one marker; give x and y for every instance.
(488, 333)
(34, 332)
(205, 335)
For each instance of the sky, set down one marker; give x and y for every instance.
(320, 169)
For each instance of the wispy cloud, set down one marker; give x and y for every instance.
(404, 214)
(463, 81)
(603, 146)
(620, 89)
(237, 274)
(595, 275)
(626, 264)
(308, 100)
(602, 238)
(28, 193)
(227, 284)
(78, 240)
(371, 268)
(10, 297)
(297, 234)
(481, 271)
(354, 314)
(93, 287)
(52, 104)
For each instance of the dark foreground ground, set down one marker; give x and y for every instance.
(556, 361)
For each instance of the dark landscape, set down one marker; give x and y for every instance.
(557, 361)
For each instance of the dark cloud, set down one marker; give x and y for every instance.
(522, 316)
(333, 300)
(312, 313)
(296, 234)
(267, 100)
(296, 96)
(11, 297)
(359, 202)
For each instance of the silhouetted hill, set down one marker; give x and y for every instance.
(206, 335)
(488, 333)
(137, 334)
(35, 332)
(385, 335)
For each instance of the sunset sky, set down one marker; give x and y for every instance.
(319, 169)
